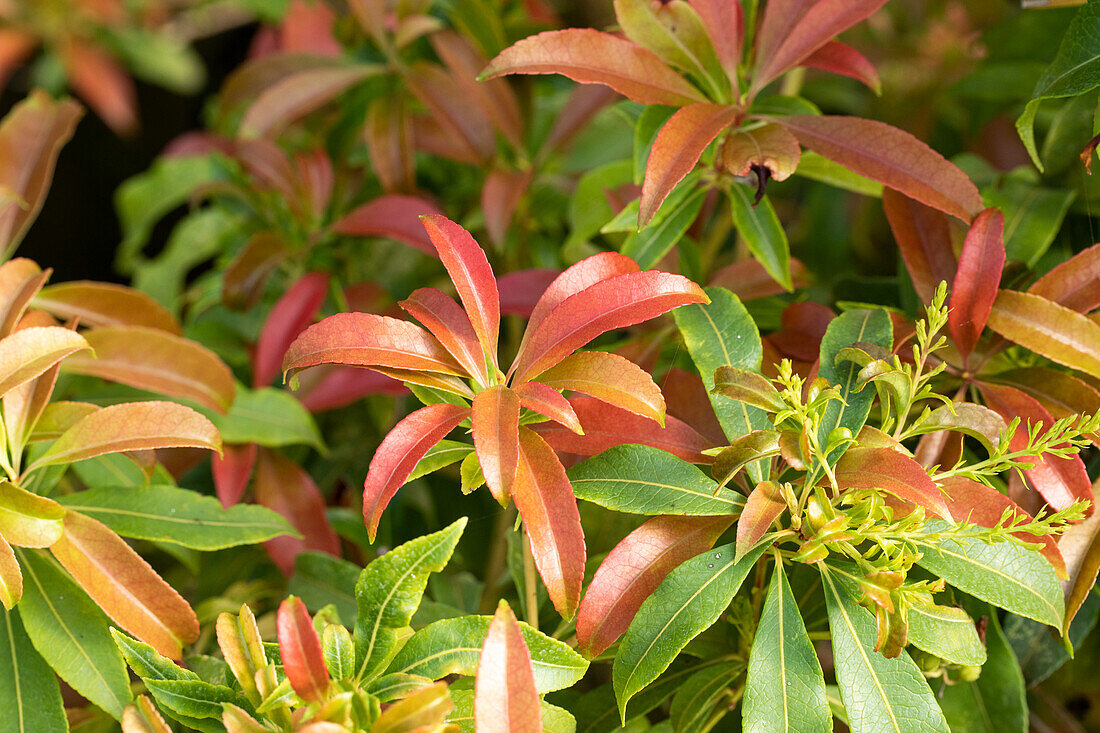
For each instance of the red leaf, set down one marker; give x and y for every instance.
(803, 327)
(1060, 481)
(549, 402)
(544, 498)
(610, 378)
(924, 240)
(496, 426)
(593, 57)
(576, 278)
(307, 28)
(500, 196)
(725, 24)
(330, 386)
(473, 277)
(748, 279)
(821, 22)
(687, 400)
(125, 586)
(763, 507)
(606, 426)
(394, 216)
(676, 150)
(979, 504)
(450, 325)
(400, 451)
(232, 471)
(505, 698)
(1074, 283)
(888, 470)
(282, 486)
(300, 650)
(634, 569)
(840, 58)
(975, 285)
(521, 290)
(891, 156)
(102, 82)
(367, 340)
(435, 138)
(618, 302)
(494, 97)
(436, 89)
(1061, 393)
(105, 304)
(780, 17)
(291, 313)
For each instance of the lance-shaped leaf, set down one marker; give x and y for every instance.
(980, 423)
(27, 519)
(390, 589)
(400, 451)
(610, 304)
(879, 694)
(505, 695)
(495, 98)
(425, 709)
(549, 402)
(634, 569)
(576, 278)
(996, 702)
(31, 351)
(675, 32)
(544, 498)
(1061, 481)
(947, 632)
(891, 156)
(290, 314)
(368, 340)
(703, 694)
(28, 687)
(149, 358)
(888, 470)
(610, 378)
(496, 438)
(299, 93)
(763, 507)
(300, 651)
(232, 471)
(451, 326)
(141, 716)
(975, 285)
(1056, 332)
(606, 426)
(473, 277)
(725, 25)
(1061, 393)
(748, 387)
(784, 688)
(780, 16)
(676, 150)
(1079, 546)
(1074, 283)
(20, 280)
(131, 426)
(593, 57)
(1005, 574)
(11, 580)
(284, 487)
(763, 234)
(104, 304)
(687, 602)
(395, 217)
(923, 235)
(500, 196)
(840, 58)
(125, 586)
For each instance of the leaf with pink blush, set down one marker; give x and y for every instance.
(299, 93)
(1074, 283)
(840, 58)
(232, 471)
(395, 217)
(505, 697)
(500, 195)
(724, 21)
(331, 386)
(300, 651)
(549, 402)
(886, 469)
(576, 278)
(610, 378)
(748, 279)
(975, 285)
(923, 235)
(443, 317)
(496, 429)
(294, 310)
(494, 97)
(521, 290)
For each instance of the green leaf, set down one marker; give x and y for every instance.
(947, 632)
(762, 232)
(71, 633)
(442, 454)
(269, 417)
(995, 702)
(648, 246)
(29, 694)
(194, 698)
(722, 333)
(453, 646)
(652, 119)
(694, 702)
(390, 589)
(686, 602)
(320, 579)
(588, 208)
(1041, 654)
(554, 719)
(179, 516)
(639, 479)
(1005, 574)
(147, 662)
(1033, 216)
(396, 686)
(785, 688)
(821, 169)
(879, 694)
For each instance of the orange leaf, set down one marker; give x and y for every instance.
(105, 304)
(131, 426)
(496, 426)
(1056, 332)
(124, 585)
(763, 507)
(451, 326)
(891, 156)
(610, 378)
(103, 83)
(31, 351)
(141, 716)
(975, 284)
(11, 579)
(593, 57)
(923, 235)
(634, 569)
(505, 698)
(288, 317)
(676, 150)
(300, 650)
(840, 58)
(29, 520)
(149, 358)
(394, 217)
(24, 406)
(389, 137)
(20, 279)
(576, 278)
(1074, 283)
(282, 486)
(297, 94)
(888, 470)
(400, 451)
(549, 402)
(544, 498)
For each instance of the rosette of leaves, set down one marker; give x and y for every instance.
(842, 528)
(382, 677)
(453, 367)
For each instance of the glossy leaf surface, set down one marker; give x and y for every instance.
(610, 378)
(496, 438)
(975, 284)
(505, 695)
(29, 352)
(300, 651)
(28, 687)
(1056, 332)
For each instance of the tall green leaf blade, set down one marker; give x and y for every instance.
(687, 601)
(879, 694)
(320, 579)
(762, 232)
(694, 702)
(785, 688)
(648, 246)
(722, 333)
(453, 646)
(1005, 574)
(390, 589)
(179, 516)
(29, 694)
(71, 633)
(151, 666)
(269, 417)
(639, 479)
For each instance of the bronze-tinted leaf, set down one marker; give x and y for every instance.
(29, 352)
(104, 304)
(496, 435)
(610, 378)
(285, 487)
(1056, 332)
(888, 470)
(27, 519)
